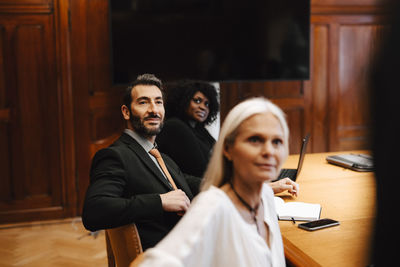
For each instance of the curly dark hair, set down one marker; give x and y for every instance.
(180, 93)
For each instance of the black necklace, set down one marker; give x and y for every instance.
(253, 211)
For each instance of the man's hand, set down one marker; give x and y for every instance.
(175, 201)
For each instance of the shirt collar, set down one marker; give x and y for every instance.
(146, 144)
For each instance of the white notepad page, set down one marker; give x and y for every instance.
(299, 211)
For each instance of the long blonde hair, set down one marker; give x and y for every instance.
(219, 169)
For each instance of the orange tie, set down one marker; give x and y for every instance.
(160, 161)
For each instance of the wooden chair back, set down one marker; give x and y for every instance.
(102, 143)
(123, 245)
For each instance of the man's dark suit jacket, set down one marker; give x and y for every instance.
(125, 187)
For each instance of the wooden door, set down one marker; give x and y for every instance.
(32, 113)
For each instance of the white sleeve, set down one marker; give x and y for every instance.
(160, 258)
(193, 241)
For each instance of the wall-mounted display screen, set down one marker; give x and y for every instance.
(212, 40)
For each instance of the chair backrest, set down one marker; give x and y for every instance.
(102, 143)
(123, 245)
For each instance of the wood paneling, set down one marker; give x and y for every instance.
(319, 83)
(347, 6)
(99, 50)
(356, 47)
(358, 3)
(289, 95)
(33, 183)
(343, 47)
(96, 101)
(26, 6)
(80, 90)
(105, 114)
(29, 47)
(31, 3)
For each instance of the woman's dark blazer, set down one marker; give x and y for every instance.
(125, 187)
(190, 147)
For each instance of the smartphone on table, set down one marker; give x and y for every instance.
(318, 224)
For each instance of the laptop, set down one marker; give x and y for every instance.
(293, 173)
(356, 162)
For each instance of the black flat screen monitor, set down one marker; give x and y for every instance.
(211, 40)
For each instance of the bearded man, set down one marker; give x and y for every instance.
(128, 183)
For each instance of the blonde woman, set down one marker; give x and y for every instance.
(233, 222)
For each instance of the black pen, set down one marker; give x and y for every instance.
(294, 222)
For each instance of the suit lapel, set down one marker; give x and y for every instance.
(145, 158)
(178, 180)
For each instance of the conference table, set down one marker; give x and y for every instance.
(345, 195)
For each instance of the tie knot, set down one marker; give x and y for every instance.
(155, 153)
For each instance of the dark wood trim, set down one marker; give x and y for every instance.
(66, 109)
(26, 8)
(105, 99)
(347, 10)
(5, 115)
(80, 84)
(316, 100)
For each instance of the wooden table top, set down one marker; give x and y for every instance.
(345, 195)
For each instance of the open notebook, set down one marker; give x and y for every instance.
(299, 211)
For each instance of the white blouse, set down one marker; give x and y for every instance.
(213, 233)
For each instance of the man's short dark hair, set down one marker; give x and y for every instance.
(144, 79)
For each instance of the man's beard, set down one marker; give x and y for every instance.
(141, 129)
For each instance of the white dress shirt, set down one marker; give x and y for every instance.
(147, 146)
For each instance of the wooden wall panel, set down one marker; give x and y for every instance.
(33, 126)
(25, 2)
(356, 47)
(320, 84)
(5, 137)
(296, 121)
(31, 100)
(360, 3)
(347, 6)
(289, 95)
(340, 75)
(80, 91)
(96, 101)
(105, 114)
(33, 176)
(26, 6)
(99, 46)
(105, 98)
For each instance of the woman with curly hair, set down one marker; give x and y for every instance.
(190, 106)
